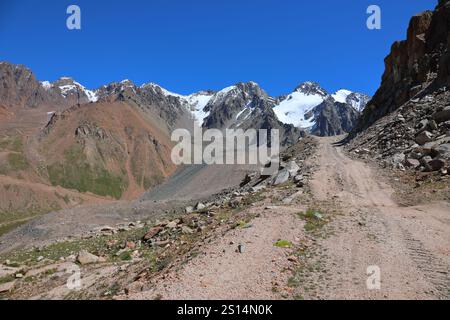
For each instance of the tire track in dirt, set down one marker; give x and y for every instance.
(374, 230)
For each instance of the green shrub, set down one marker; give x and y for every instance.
(283, 244)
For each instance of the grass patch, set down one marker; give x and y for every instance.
(7, 279)
(283, 244)
(253, 198)
(99, 246)
(125, 256)
(13, 144)
(315, 219)
(75, 173)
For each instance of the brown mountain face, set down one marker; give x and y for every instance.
(407, 123)
(59, 147)
(20, 89)
(107, 148)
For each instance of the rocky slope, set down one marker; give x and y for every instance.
(333, 118)
(415, 67)
(119, 153)
(407, 123)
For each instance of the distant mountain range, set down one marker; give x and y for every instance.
(115, 141)
(233, 107)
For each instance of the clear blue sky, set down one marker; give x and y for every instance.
(188, 46)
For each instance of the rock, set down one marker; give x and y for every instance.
(437, 164)
(189, 209)
(424, 137)
(443, 150)
(85, 258)
(152, 233)
(425, 160)
(282, 177)
(40, 258)
(257, 188)
(172, 225)
(443, 115)
(161, 243)
(298, 178)
(412, 163)
(186, 230)
(398, 160)
(432, 125)
(106, 230)
(131, 245)
(318, 215)
(200, 206)
(241, 248)
(236, 202)
(19, 275)
(292, 167)
(300, 184)
(7, 287)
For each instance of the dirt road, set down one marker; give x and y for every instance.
(409, 246)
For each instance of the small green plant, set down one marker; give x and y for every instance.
(125, 256)
(242, 224)
(283, 244)
(314, 219)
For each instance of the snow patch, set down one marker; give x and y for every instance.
(341, 95)
(46, 85)
(75, 87)
(294, 108)
(197, 104)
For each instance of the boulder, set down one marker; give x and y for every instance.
(398, 158)
(424, 137)
(200, 206)
(189, 209)
(436, 164)
(152, 233)
(442, 116)
(85, 257)
(281, 177)
(292, 167)
(443, 150)
(412, 163)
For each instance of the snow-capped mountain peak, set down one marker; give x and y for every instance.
(341, 95)
(46, 85)
(357, 100)
(68, 86)
(299, 108)
(311, 88)
(296, 107)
